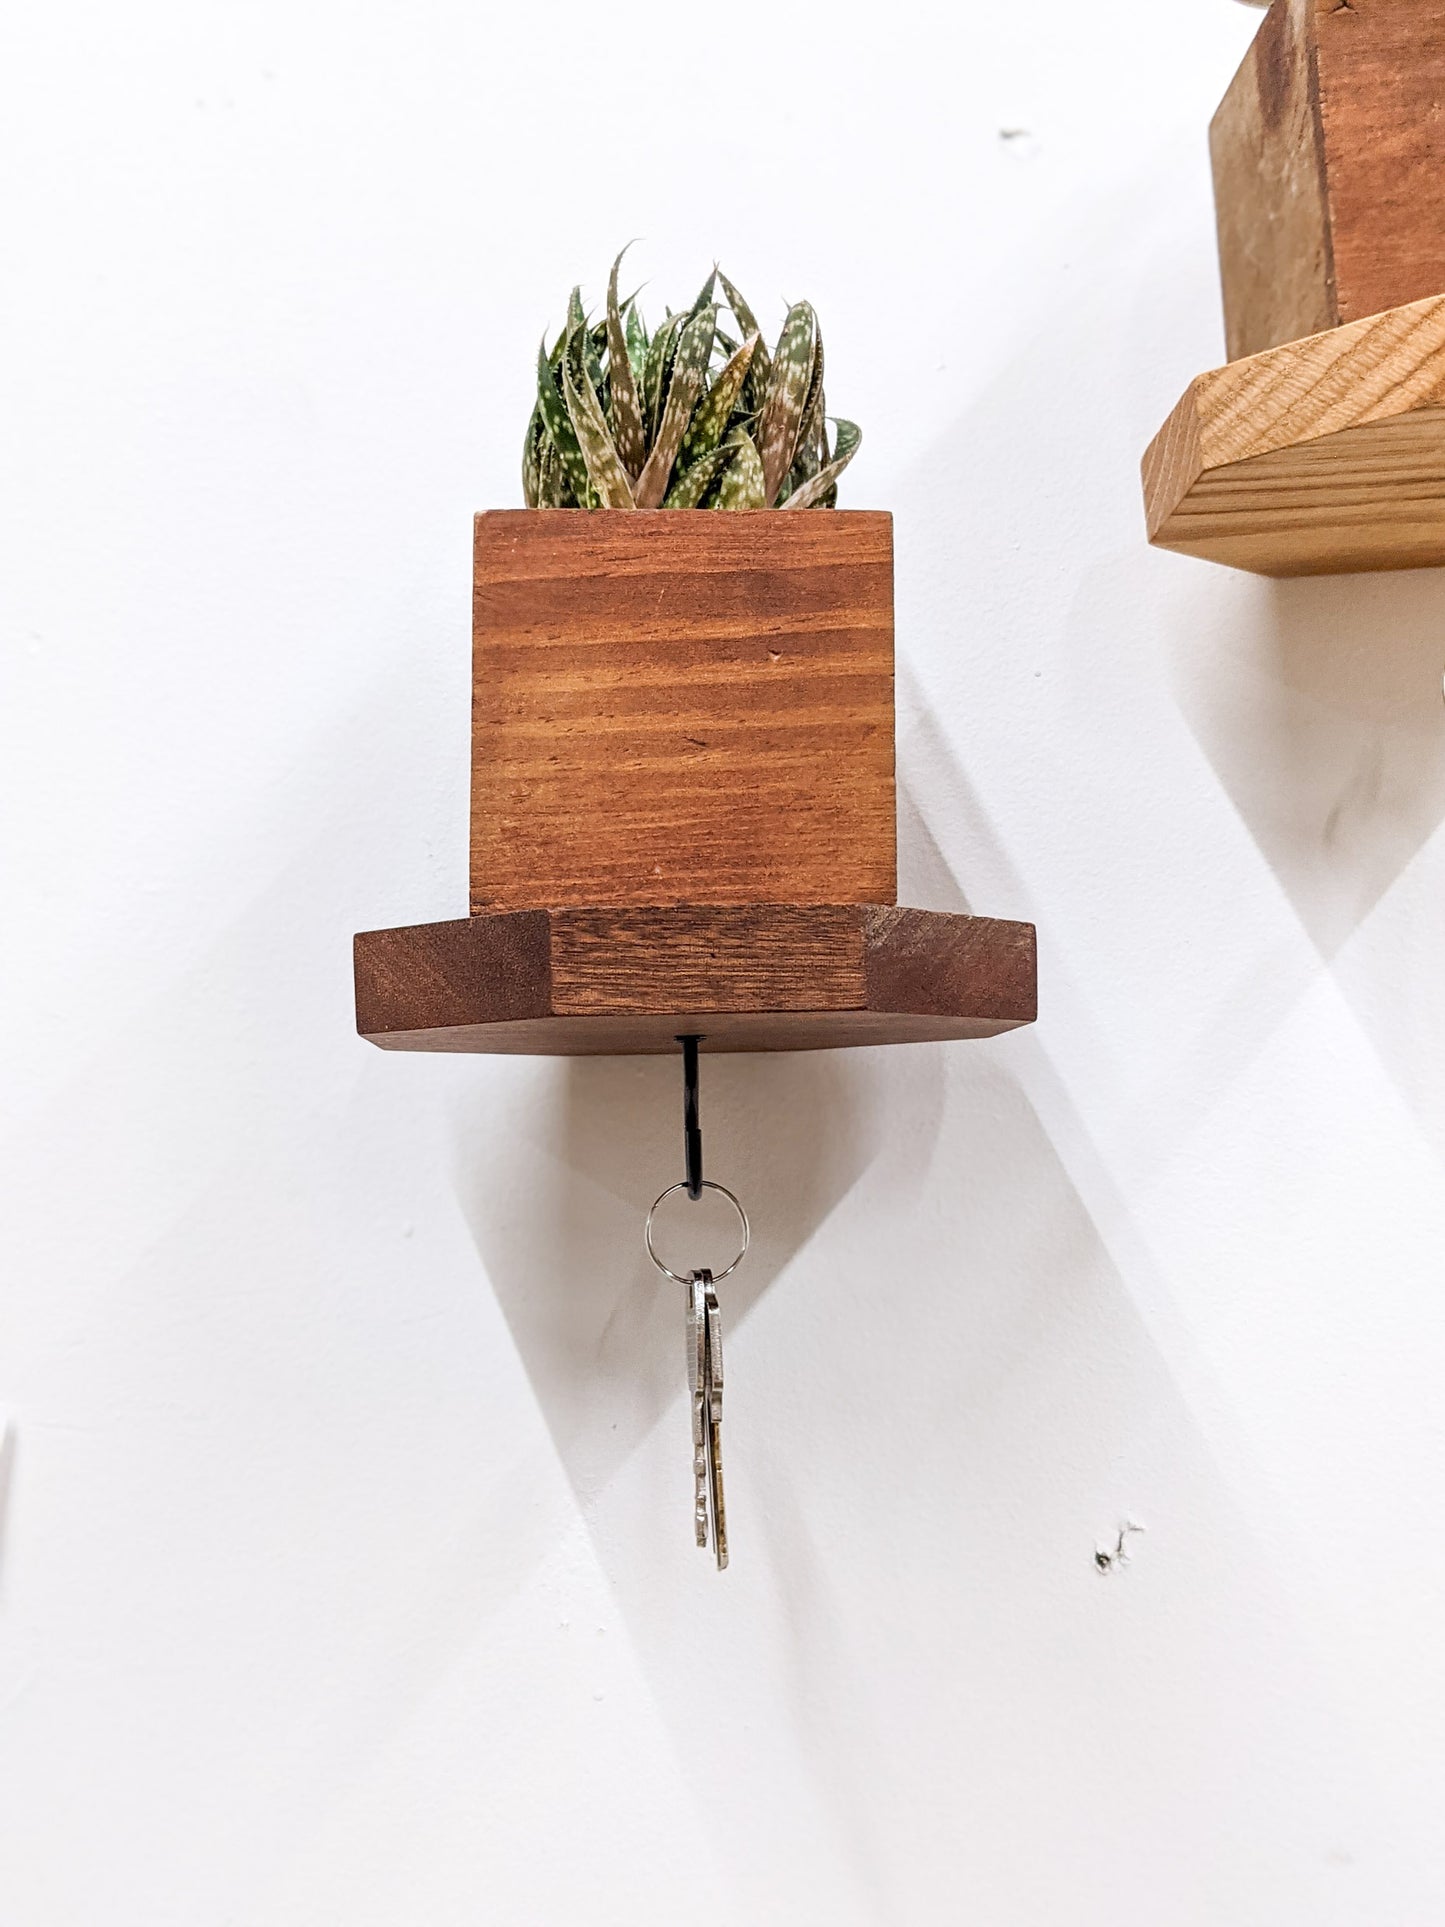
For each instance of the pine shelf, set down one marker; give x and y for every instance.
(1319, 457)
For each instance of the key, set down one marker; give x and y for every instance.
(697, 1387)
(713, 1378)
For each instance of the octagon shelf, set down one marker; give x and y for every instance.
(751, 977)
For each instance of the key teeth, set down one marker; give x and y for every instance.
(705, 1386)
(713, 1381)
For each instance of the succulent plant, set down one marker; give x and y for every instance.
(692, 416)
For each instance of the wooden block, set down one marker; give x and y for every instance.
(682, 707)
(1315, 458)
(750, 977)
(1327, 152)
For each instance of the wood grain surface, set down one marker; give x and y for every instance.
(749, 977)
(1320, 456)
(682, 707)
(1327, 152)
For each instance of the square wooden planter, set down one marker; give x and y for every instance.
(682, 707)
(683, 811)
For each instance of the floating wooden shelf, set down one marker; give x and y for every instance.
(1319, 457)
(750, 977)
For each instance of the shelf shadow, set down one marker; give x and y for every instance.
(556, 1208)
(1326, 729)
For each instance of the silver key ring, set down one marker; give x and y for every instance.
(707, 1185)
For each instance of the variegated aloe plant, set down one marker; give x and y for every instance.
(689, 417)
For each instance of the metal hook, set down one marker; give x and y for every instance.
(691, 1129)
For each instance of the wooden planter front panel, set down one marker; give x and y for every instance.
(682, 707)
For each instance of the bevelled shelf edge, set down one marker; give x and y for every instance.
(1320, 457)
(748, 977)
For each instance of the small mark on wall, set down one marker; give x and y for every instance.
(1111, 1558)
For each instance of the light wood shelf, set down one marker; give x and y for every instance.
(1320, 457)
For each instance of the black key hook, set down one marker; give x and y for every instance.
(691, 1129)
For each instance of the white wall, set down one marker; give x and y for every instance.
(345, 1571)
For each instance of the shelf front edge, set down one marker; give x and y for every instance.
(750, 977)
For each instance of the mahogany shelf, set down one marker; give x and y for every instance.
(749, 977)
(1319, 457)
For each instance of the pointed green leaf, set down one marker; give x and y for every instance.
(694, 351)
(705, 294)
(845, 448)
(624, 409)
(559, 427)
(553, 491)
(582, 358)
(575, 317)
(694, 482)
(532, 458)
(813, 406)
(805, 466)
(586, 345)
(659, 367)
(788, 387)
(604, 470)
(714, 411)
(741, 486)
(747, 320)
(636, 344)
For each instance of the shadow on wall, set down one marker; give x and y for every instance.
(793, 1133)
(557, 1215)
(1325, 725)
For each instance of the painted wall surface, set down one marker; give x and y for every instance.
(345, 1566)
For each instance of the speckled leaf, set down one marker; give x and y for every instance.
(605, 472)
(694, 350)
(741, 486)
(806, 464)
(587, 345)
(844, 449)
(694, 482)
(747, 320)
(813, 407)
(788, 388)
(532, 458)
(553, 491)
(714, 411)
(576, 318)
(636, 345)
(624, 409)
(705, 296)
(559, 426)
(659, 366)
